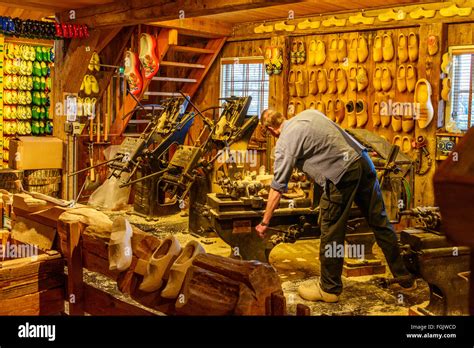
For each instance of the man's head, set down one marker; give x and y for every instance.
(272, 120)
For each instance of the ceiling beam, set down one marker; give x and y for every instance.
(203, 27)
(131, 12)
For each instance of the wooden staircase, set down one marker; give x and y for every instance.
(184, 63)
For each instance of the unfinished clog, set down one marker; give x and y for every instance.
(387, 51)
(180, 267)
(361, 113)
(120, 245)
(413, 47)
(160, 264)
(377, 54)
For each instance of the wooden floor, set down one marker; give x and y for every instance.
(297, 263)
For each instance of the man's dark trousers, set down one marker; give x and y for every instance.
(360, 185)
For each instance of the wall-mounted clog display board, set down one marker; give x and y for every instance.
(26, 91)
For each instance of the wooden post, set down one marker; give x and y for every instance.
(471, 286)
(303, 310)
(278, 304)
(75, 284)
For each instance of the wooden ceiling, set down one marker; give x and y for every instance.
(305, 8)
(38, 9)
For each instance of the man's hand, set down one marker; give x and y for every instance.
(261, 230)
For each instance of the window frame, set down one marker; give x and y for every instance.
(454, 51)
(247, 60)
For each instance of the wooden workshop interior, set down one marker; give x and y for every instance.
(132, 130)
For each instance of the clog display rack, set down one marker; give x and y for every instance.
(26, 90)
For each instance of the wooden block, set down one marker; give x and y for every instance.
(98, 302)
(47, 302)
(302, 310)
(33, 233)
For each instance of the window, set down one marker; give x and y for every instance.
(462, 83)
(241, 77)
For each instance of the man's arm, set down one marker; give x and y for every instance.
(283, 168)
(273, 201)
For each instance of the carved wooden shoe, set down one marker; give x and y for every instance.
(322, 81)
(341, 80)
(353, 79)
(408, 123)
(420, 12)
(330, 112)
(375, 114)
(446, 90)
(313, 85)
(339, 111)
(312, 105)
(433, 45)
(120, 245)
(454, 10)
(351, 114)
(291, 83)
(294, 51)
(388, 51)
(386, 79)
(301, 53)
(160, 263)
(424, 105)
(320, 52)
(413, 47)
(377, 54)
(397, 123)
(180, 267)
(321, 107)
(362, 79)
(401, 79)
(291, 109)
(148, 57)
(446, 63)
(411, 78)
(332, 51)
(332, 87)
(132, 73)
(341, 50)
(361, 113)
(385, 114)
(311, 291)
(312, 53)
(397, 140)
(300, 106)
(377, 80)
(406, 144)
(402, 48)
(362, 49)
(301, 83)
(353, 58)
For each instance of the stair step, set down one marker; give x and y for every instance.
(151, 107)
(191, 49)
(164, 94)
(139, 121)
(174, 79)
(182, 65)
(132, 134)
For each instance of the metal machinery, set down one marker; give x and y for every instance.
(172, 171)
(445, 267)
(237, 200)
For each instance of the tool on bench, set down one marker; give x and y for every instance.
(421, 149)
(55, 201)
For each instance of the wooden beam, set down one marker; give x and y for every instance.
(246, 31)
(203, 27)
(128, 12)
